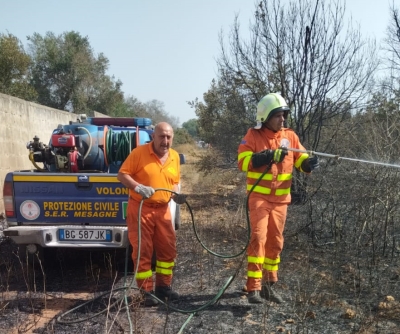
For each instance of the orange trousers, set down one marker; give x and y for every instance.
(267, 221)
(157, 233)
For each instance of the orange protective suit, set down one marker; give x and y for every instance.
(157, 231)
(268, 201)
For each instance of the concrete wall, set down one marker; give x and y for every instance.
(20, 121)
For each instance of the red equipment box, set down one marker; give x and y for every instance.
(64, 140)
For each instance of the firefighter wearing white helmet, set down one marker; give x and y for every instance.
(269, 105)
(261, 150)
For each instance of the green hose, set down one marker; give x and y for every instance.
(231, 278)
(126, 288)
(118, 145)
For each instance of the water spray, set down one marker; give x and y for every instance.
(337, 157)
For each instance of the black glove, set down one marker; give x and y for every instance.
(262, 158)
(265, 157)
(179, 198)
(313, 162)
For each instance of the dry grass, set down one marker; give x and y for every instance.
(326, 290)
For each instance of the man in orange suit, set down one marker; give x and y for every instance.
(148, 167)
(264, 148)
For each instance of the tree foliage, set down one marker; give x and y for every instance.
(181, 136)
(68, 76)
(222, 118)
(153, 109)
(63, 72)
(14, 68)
(191, 127)
(300, 50)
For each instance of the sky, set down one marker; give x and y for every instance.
(163, 50)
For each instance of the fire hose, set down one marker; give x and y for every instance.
(192, 312)
(123, 300)
(337, 157)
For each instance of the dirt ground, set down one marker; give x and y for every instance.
(71, 291)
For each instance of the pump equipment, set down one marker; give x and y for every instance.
(98, 144)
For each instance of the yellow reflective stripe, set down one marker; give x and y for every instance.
(256, 176)
(300, 160)
(284, 177)
(267, 191)
(164, 264)
(244, 154)
(271, 267)
(254, 274)
(255, 259)
(44, 178)
(277, 155)
(163, 271)
(269, 177)
(272, 261)
(259, 189)
(144, 274)
(245, 164)
(280, 192)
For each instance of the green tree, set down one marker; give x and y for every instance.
(223, 118)
(154, 109)
(191, 127)
(181, 136)
(14, 69)
(68, 76)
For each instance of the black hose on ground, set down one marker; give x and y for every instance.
(125, 288)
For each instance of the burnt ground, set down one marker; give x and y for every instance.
(70, 292)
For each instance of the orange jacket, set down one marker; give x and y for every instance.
(275, 184)
(143, 165)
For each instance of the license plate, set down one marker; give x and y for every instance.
(87, 235)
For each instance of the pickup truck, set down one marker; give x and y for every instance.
(75, 200)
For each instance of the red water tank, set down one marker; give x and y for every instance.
(64, 140)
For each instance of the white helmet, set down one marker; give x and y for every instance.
(269, 105)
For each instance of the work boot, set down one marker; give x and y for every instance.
(149, 300)
(270, 294)
(253, 297)
(163, 292)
